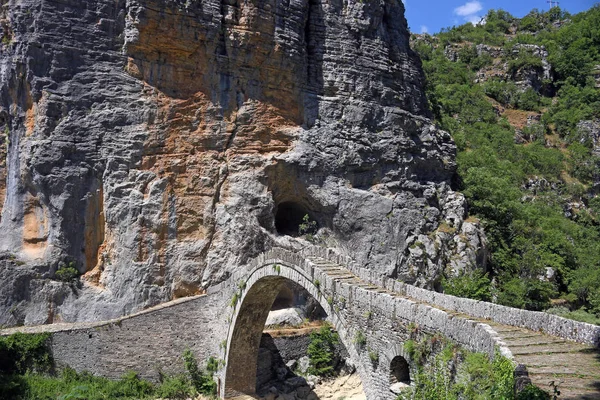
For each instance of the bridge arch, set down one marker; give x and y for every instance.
(252, 304)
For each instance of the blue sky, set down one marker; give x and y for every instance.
(432, 15)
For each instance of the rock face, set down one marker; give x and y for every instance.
(536, 76)
(156, 145)
(589, 132)
(532, 77)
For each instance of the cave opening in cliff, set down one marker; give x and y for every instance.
(293, 219)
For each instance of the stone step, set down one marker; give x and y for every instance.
(568, 370)
(338, 272)
(517, 335)
(532, 340)
(338, 276)
(506, 329)
(349, 279)
(343, 279)
(566, 381)
(329, 269)
(542, 349)
(565, 360)
(567, 394)
(320, 262)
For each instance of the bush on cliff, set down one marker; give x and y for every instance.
(474, 285)
(201, 380)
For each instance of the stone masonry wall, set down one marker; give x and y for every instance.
(147, 342)
(537, 321)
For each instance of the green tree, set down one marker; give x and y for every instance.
(321, 351)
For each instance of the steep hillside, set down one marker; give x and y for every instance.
(521, 99)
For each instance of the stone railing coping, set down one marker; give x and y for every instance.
(72, 326)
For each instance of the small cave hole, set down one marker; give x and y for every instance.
(399, 372)
(289, 217)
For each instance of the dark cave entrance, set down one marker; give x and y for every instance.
(289, 217)
(399, 371)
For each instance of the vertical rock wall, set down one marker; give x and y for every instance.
(150, 144)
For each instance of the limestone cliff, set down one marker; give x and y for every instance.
(156, 145)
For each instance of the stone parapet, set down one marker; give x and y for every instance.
(580, 332)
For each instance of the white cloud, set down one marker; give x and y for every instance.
(469, 11)
(424, 29)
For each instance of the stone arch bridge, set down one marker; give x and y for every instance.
(228, 321)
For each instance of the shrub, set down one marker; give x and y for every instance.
(474, 285)
(67, 273)
(505, 93)
(529, 293)
(308, 227)
(528, 100)
(21, 353)
(202, 381)
(577, 315)
(360, 339)
(531, 392)
(374, 357)
(130, 385)
(277, 268)
(234, 300)
(468, 55)
(524, 61)
(321, 351)
(175, 387)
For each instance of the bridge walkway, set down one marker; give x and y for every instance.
(573, 367)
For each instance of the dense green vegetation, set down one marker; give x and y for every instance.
(446, 371)
(20, 353)
(526, 224)
(26, 372)
(321, 351)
